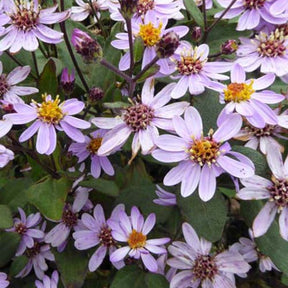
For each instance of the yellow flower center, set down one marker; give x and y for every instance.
(237, 92)
(94, 145)
(150, 34)
(136, 239)
(50, 111)
(204, 150)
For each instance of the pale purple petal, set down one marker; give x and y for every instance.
(207, 183)
(97, 258)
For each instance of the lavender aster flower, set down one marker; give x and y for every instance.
(133, 230)
(202, 159)
(267, 51)
(6, 155)
(97, 232)
(142, 119)
(3, 280)
(8, 89)
(253, 13)
(275, 191)
(48, 282)
(59, 234)
(90, 148)
(27, 23)
(50, 115)
(165, 198)
(150, 31)
(194, 72)
(26, 227)
(201, 267)
(241, 96)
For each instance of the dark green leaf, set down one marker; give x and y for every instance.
(49, 196)
(18, 264)
(156, 281)
(6, 220)
(150, 72)
(138, 49)
(104, 186)
(48, 79)
(207, 218)
(9, 243)
(195, 12)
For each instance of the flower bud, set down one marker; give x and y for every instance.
(167, 45)
(229, 47)
(95, 95)
(128, 8)
(196, 33)
(67, 81)
(86, 46)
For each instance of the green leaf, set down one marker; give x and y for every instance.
(48, 79)
(129, 276)
(207, 218)
(18, 264)
(227, 192)
(72, 265)
(6, 220)
(150, 72)
(49, 196)
(9, 243)
(156, 281)
(195, 12)
(104, 186)
(270, 244)
(138, 49)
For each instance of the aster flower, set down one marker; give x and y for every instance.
(142, 118)
(27, 23)
(194, 72)
(6, 155)
(67, 81)
(97, 232)
(201, 267)
(48, 282)
(50, 115)
(58, 236)
(275, 191)
(252, 13)
(241, 96)
(267, 51)
(3, 280)
(160, 9)
(248, 249)
(202, 159)
(37, 255)
(264, 137)
(165, 198)
(8, 89)
(133, 230)
(150, 30)
(27, 228)
(83, 10)
(90, 148)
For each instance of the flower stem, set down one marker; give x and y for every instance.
(98, 20)
(115, 70)
(131, 49)
(146, 68)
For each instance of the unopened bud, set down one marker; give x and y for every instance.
(67, 81)
(128, 8)
(86, 46)
(229, 47)
(95, 95)
(196, 33)
(167, 45)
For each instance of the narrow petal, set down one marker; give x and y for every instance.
(149, 262)
(97, 258)
(207, 185)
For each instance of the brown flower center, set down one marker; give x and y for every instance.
(34, 251)
(138, 116)
(257, 132)
(105, 237)
(189, 65)
(252, 4)
(143, 6)
(204, 267)
(279, 192)
(68, 217)
(4, 87)
(94, 145)
(136, 240)
(20, 228)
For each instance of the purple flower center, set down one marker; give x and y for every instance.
(20, 228)
(34, 251)
(105, 237)
(189, 65)
(143, 6)
(204, 150)
(69, 218)
(4, 87)
(26, 17)
(260, 132)
(94, 145)
(204, 267)
(272, 45)
(138, 116)
(252, 4)
(279, 192)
